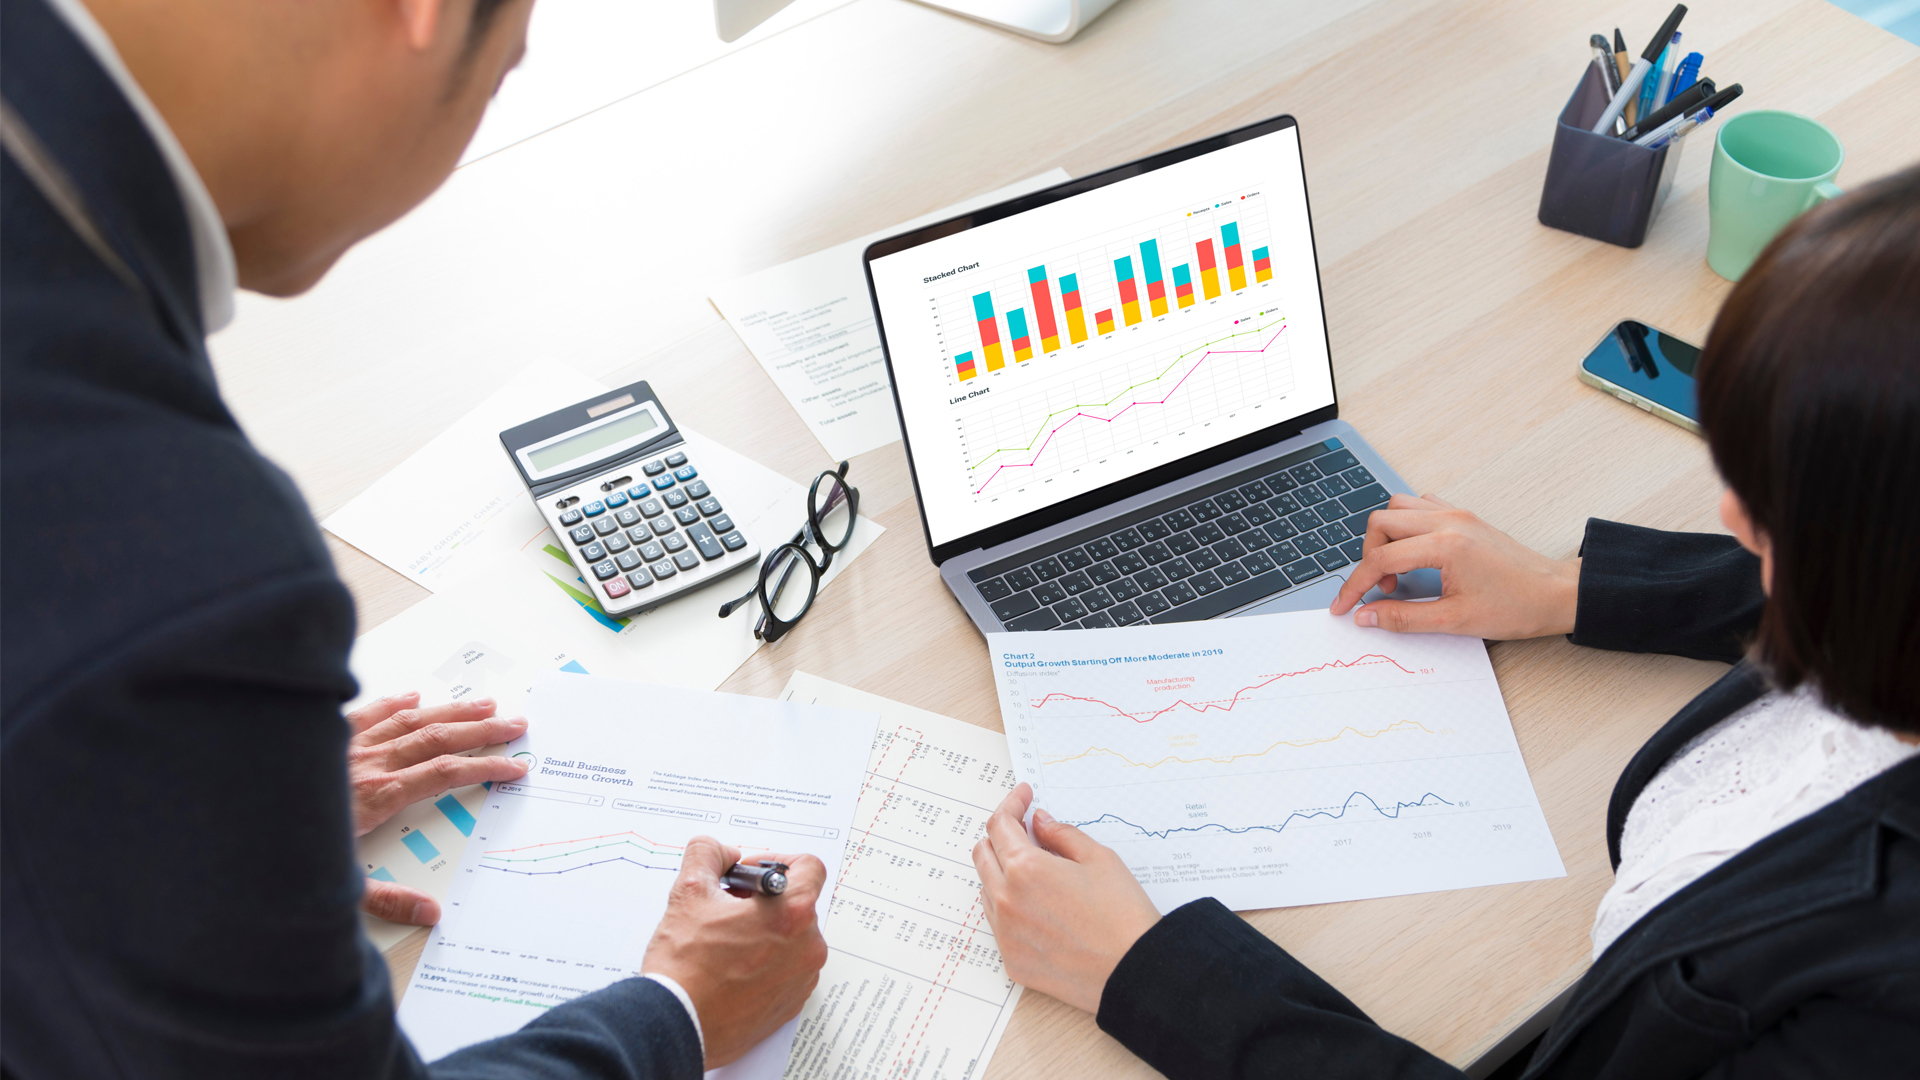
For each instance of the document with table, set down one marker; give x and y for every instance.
(914, 985)
(1276, 760)
(810, 324)
(569, 868)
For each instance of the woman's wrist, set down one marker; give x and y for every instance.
(1565, 596)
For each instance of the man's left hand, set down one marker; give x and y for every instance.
(401, 754)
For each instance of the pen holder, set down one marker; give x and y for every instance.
(1598, 185)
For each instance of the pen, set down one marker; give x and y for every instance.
(1718, 102)
(1672, 128)
(767, 878)
(1630, 85)
(1686, 101)
(1650, 87)
(1688, 73)
(1680, 129)
(1609, 72)
(1620, 63)
(1669, 66)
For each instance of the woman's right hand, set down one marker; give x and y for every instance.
(1491, 586)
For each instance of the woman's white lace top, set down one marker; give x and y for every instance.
(1763, 768)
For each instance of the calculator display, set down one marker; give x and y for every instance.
(587, 443)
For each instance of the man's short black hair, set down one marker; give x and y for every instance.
(1810, 399)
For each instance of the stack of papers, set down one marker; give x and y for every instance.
(456, 518)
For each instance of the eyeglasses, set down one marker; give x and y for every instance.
(833, 505)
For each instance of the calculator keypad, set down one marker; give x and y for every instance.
(667, 533)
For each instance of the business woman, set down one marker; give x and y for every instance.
(1764, 919)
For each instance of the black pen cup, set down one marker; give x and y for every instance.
(1600, 186)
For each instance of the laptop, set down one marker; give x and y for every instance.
(1117, 396)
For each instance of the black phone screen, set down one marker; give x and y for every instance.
(1648, 362)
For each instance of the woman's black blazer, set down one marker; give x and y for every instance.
(1799, 957)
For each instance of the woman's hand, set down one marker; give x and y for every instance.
(1064, 911)
(401, 754)
(1491, 586)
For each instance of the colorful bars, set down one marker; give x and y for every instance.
(1209, 273)
(1183, 285)
(1129, 291)
(1070, 299)
(1103, 320)
(1017, 330)
(1156, 286)
(964, 363)
(1236, 262)
(989, 332)
(1043, 307)
(1262, 266)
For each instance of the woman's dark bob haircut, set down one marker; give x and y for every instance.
(1810, 399)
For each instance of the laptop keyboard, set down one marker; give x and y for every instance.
(1204, 552)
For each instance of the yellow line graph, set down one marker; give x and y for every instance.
(1396, 726)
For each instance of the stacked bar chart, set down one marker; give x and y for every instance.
(1017, 329)
(1156, 287)
(1183, 285)
(1043, 305)
(1209, 271)
(1076, 316)
(1129, 290)
(989, 331)
(1236, 262)
(1017, 312)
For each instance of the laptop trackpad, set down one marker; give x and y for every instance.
(1419, 585)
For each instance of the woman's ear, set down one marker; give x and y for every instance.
(1734, 514)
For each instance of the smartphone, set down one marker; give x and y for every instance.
(1645, 366)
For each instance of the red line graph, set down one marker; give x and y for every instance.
(1110, 419)
(1226, 704)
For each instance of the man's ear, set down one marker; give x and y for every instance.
(420, 19)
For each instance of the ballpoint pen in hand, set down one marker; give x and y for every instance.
(765, 878)
(1630, 85)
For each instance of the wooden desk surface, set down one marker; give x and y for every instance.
(1456, 320)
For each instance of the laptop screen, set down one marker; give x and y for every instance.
(1066, 348)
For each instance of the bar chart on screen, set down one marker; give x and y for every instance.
(1075, 295)
(1276, 760)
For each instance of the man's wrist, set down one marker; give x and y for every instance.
(686, 1000)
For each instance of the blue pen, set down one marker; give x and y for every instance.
(1661, 77)
(1674, 130)
(1688, 74)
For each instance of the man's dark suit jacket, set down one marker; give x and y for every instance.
(178, 876)
(1799, 957)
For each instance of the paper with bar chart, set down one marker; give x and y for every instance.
(913, 986)
(1056, 351)
(567, 871)
(1276, 760)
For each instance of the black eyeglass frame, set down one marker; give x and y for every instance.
(771, 627)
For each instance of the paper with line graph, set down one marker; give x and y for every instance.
(914, 986)
(1276, 760)
(567, 871)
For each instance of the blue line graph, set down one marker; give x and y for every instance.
(581, 866)
(1429, 799)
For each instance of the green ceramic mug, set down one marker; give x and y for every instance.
(1768, 168)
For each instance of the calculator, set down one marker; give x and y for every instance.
(639, 519)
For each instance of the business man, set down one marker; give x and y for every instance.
(178, 789)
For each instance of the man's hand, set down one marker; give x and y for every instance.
(1491, 586)
(401, 754)
(1063, 912)
(747, 961)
